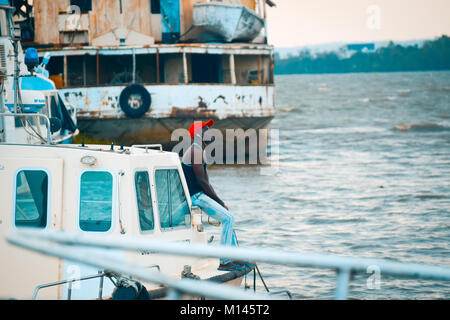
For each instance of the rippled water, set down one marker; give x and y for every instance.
(364, 172)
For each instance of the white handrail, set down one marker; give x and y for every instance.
(343, 265)
(109, 262)
(147, 146)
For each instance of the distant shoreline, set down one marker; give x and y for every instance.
(433, 55)
(361, 72)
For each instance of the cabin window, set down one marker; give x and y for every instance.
(31, 207)
(206, 68)
(172, 203)
(81, 70)
(253, 69)
(116, 69)
(144, 201)
(96, 201)
(146, 68)
(155, 6)
(84, 5)
(172, 66)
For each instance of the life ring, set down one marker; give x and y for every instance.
(135, 101)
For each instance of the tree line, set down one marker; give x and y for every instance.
(433, 55)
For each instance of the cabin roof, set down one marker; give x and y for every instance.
(211, 48)
(99, 149)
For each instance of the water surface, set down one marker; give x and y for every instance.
(364, 171)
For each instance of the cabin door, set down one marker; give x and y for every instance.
(31, 197)
(170, 20)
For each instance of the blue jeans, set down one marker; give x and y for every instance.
(216, 211)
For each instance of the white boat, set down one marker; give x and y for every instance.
(226, 22)
(131, 192)
(89, 189)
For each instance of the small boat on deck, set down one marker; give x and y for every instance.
(225, 22)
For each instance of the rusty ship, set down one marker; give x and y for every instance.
(138, 70)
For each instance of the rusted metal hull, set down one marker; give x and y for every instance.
(155, 130)
(100, 118)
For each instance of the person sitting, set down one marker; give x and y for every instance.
(203, 194)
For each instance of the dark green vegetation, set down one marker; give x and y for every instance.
(432, 56)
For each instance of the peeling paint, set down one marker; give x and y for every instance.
(193, 113)
(226, 101)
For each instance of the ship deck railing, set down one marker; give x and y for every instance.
(32, 115)
(76, 247)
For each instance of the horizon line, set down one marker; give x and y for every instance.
(362, 42)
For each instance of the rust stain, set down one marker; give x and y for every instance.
(201, 103)
(194, 112)
(220, 97)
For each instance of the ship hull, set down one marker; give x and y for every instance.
(101, 119)
(129, 132)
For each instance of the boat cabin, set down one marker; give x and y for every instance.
(131, 192)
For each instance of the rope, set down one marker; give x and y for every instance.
(256, 268)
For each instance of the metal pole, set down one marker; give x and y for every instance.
(16, 75)
(134, 65)
(66, 76)
(2, 119)
(343, 279)
(120, 174)
(232, 69)
(69, 291)
(100, 290)
(157, 66)
(185, 68)
(84, 70)
(98, 67)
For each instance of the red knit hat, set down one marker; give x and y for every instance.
(198, 125)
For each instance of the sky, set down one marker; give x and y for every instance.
(307, 22)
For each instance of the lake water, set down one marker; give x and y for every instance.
(364, 171)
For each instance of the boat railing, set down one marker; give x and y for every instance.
(147, 146)
(76, 247)
(30, 115)
(70, 282)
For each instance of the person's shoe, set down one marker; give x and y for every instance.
(232, 266)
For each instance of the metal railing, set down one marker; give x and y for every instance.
(100, 275)
(25, 115)
(75, 246)
(146, 147)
